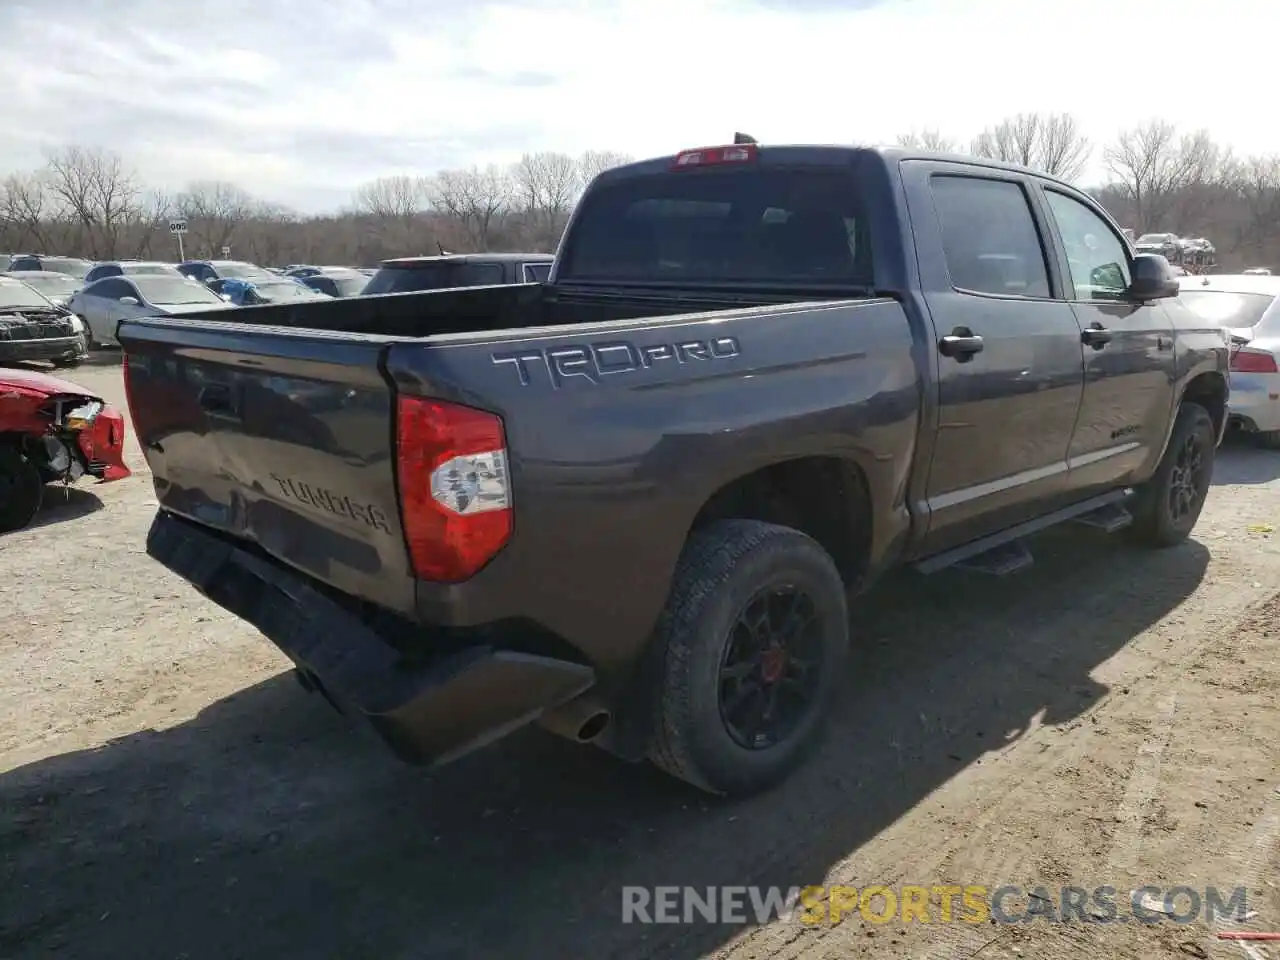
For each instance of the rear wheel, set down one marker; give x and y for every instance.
(754, 639)
(21, 489)
(1269, 439)
(1169, 504)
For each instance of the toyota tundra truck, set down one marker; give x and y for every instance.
(631, 503)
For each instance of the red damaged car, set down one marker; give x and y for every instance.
(51, 431)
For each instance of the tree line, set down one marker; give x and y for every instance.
(88, 202)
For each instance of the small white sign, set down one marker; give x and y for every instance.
(177, 226)
(226, 251)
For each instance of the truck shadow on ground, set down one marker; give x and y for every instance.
(265, 827)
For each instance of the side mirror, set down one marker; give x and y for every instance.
(1153, 278)
(129, 301)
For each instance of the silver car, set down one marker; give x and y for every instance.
(1248, 307)
(103, 304)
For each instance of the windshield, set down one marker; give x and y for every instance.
(52, 284)
(240, 270)
(1237, 310)
(173, 290)
(537, 272)
(752, 225)
(284, 291)
(15, 293)
(68, 265)
(433, 275)
(150, 269)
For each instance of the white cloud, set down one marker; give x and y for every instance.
(300, 102)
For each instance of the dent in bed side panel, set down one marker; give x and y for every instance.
(609, 469)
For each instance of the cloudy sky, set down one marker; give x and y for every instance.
(299, 102)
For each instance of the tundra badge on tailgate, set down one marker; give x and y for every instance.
(593, 361)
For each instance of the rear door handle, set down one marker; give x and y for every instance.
(960, 345)
(1096, 336)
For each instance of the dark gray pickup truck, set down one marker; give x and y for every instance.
(630, 502)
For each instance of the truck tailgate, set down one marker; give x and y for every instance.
(277, 436)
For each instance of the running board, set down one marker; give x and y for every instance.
(1015, 556)
(1108, 519)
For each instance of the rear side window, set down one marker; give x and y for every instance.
(433, 276)
(989, 237)
(24, 263)
(759, 224)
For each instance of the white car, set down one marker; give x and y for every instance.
(104, 303)
(1249, 307)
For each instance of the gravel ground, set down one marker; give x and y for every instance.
(1108, 717)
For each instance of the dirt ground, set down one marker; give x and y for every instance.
(1109, 717)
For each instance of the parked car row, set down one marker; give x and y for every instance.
(96, 296)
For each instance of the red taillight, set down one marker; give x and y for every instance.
(1253, 361)
(455, 492)
(710, 156)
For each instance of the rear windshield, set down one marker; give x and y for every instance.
(1235, 310)
(761, 225)
(433, 276)
(150, 269)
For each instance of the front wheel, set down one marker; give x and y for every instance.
(1169, 504)
(21, 489)
(754, 639)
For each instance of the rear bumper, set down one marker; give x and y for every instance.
(1255, 400)
(52, 348)
(428, 712)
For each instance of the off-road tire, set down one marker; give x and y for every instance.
(722, 567)
(21, 489)
(1154, 524)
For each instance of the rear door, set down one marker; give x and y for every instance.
(1128, 349)
(1009, 368)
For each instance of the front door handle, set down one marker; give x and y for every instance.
(960, 345)
(1096, 336)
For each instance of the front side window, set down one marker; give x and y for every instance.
(1096, 256)
(989, 237)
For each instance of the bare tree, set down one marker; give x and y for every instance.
(595, 162)
(1151, 165)
(1063, 149)
(394, 206)
(213, 210)
(97, 192)
(1050, 142)
(475, 199)
(927, 139)
(151, 216)
(545, 185)
(25, 210)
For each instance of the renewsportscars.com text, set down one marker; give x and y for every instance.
(973, 903)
